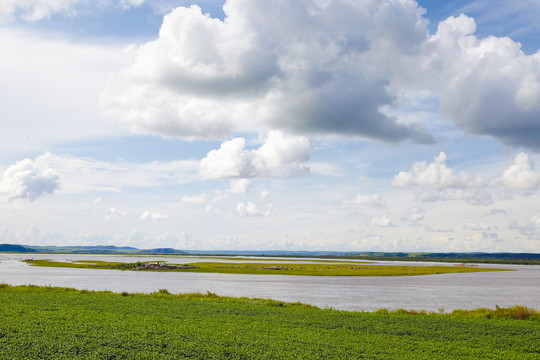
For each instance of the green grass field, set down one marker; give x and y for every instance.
(56, 323)
(317, 269)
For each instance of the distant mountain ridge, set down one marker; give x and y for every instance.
(15, 248)
(162, 251)
(523, 258)
(98, 249)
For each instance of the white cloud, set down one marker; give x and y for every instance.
(150, 215)
(195, 199)
(497, 211)
(471, 197)
(325, 67)
(511, 17)
(236, 187)
(114, 213)
(176, 241)
(264, 194)
(521, 174)
(383, 221)
(374, 200)
(231, 160)
(29, 180)
(250, 209)
(211, 210)
(436, 182)
(335, 66)
(503, 195)
(280, 155)
(413, 215)
(240, 186)
(127, 4)
(438, 230)
(487, 86)
(310, 67)
(34, 10)
(477, 226)
(436, 176)
(86, 174)
(530, 228)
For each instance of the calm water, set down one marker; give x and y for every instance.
(431, 292)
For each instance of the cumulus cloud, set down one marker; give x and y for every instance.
(150, 215)
(281, 155)
(436, 182)
(114, 213)
(436, 229)
(487, 86)
(250, 209)
(195, 199)
(435, 175)
(413, 215)
(477, 226)
(374, 200)
(240, 186)
(323, 68)
(29, 180)
(521, 174)
(305, 66)
(383, 221)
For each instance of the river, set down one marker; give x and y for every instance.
(355, 293)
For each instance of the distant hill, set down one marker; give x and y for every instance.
(99, 249)
(15, 248)
(161, 251)
(487, 256)
(480, 257)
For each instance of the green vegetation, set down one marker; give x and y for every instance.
(274, 268)
(518, 259)
(15, 248)
(493, 258)
(57, 323)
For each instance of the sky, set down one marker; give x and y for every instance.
(316, 125)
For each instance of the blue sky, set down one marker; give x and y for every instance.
(311, 125)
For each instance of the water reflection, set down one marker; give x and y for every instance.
(449, 291)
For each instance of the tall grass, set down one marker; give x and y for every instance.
(516, 312)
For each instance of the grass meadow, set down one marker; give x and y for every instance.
(292, 268)
(59, 323)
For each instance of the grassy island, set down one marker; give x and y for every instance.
(266, 268)
(59, 323)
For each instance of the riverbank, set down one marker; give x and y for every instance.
(46, 322)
